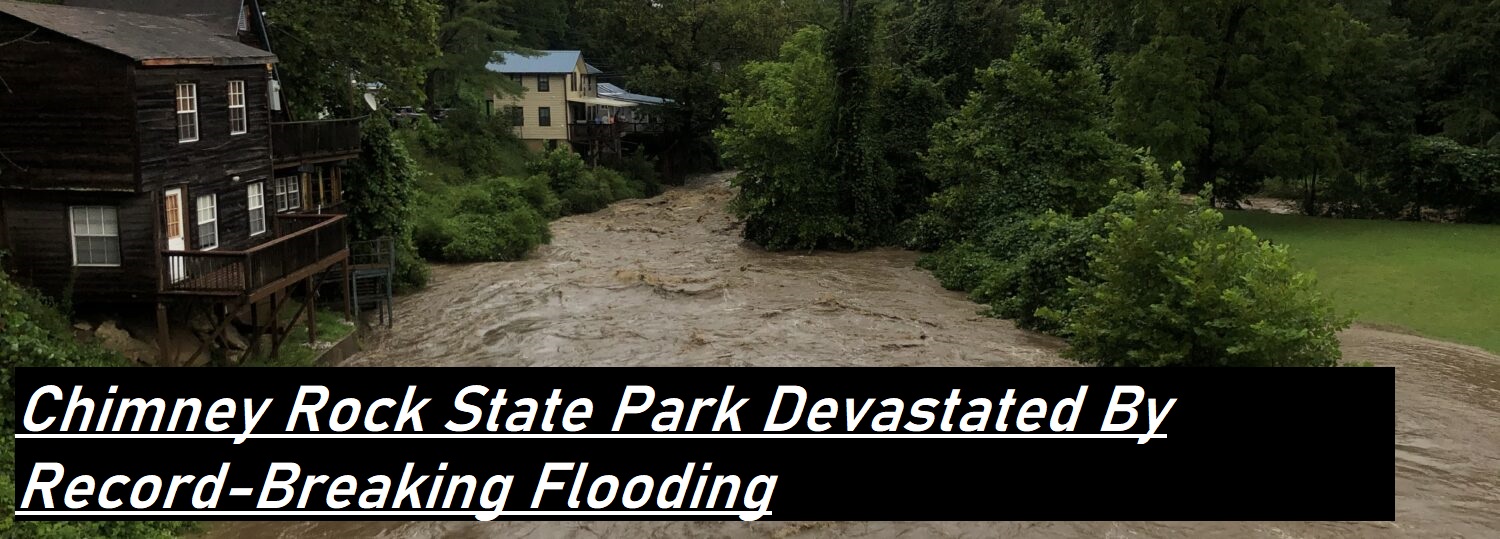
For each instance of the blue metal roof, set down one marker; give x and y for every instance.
(546, 62)
(593, 70)
(615, 92)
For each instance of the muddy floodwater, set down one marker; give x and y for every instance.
(669, 282)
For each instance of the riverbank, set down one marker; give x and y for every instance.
(669, 282)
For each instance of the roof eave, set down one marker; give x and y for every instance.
(208, 61)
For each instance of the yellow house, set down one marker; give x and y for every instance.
(561, 101)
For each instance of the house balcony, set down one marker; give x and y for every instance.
(317, 141)
(305, 245)
(586, 132)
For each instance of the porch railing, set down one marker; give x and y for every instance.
(294, 142)
(304, 242)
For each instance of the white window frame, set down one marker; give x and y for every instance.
(255, 202)
(290, 198)
(198, 221)
(187, 112)
(73, 234)
(241, 124)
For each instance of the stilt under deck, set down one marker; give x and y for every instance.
(230, 284)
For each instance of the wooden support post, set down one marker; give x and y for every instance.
(312, 313)
(275, 326)
(348, 309)
(254, 347)
(164, 336)
(218, 332)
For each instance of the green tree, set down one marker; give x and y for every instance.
(690, 52)
(1231, 88)
(779, 134)
(323, 45)
(471, 34)
(1030, 140)
(948, 41)
(1462, 40)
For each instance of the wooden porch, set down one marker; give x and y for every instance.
(306, 250)
(316, 141)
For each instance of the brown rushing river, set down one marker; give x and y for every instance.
(669, 282)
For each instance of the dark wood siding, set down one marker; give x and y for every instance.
(39, 232)
(210, 164)
(66, 120)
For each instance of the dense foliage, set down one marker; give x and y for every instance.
(1030, 139)
(324, 44)
(482, 198)
(1169, 285)
(689, 51)
(33, 333)
(780, 135)
(379, 187)
(1023, 193)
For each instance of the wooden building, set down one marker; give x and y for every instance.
(144, 158)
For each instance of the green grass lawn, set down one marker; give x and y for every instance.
(294, 351)
(1436, 280)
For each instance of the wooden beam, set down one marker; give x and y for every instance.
(312, 312)
(275, 326)
(314, 269)
(164, 335)
(218, 332)
(344, 284)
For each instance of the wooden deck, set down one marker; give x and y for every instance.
(308, 245)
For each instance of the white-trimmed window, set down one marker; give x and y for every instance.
(256, 194)
(208, 222)
(288, 193)
(238, 125)
(96, 236)
(187, 112)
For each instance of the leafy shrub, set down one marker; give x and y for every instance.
(490, 221)
(35, 334)
(1169, 285)
(580, 188)
(1038, 260)
(639, 170)
(1021, 269)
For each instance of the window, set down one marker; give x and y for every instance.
(544, 116)
(256, 193)
(543, 83)
(288, 193)
(96, 236)
(237, 122)
(244, 19)
(573, 80)
(518, 116)
(208, 222)
(174, 216)
(187, 112)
